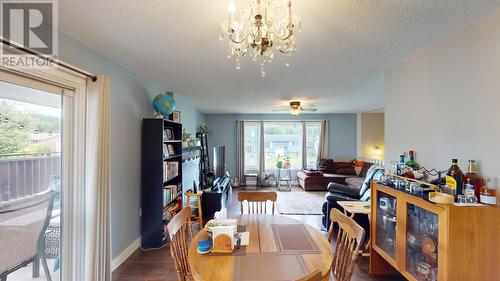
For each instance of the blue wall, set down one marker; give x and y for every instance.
(131, 98)
(342, 132)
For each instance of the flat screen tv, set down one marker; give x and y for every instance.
(219, 161)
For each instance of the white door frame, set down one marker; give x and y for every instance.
(73, 160)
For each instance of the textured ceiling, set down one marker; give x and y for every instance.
(344, 48)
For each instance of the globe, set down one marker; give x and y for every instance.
(164, 104)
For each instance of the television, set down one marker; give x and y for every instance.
(219, 161)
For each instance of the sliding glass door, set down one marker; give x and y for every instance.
(294, 142)
(33, 116)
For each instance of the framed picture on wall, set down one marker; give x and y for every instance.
(176, 116)
(169, 134)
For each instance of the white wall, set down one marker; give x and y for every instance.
(444, 102)
(370, 132)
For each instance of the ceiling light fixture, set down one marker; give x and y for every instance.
(262, 27)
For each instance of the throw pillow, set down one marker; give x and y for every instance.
(364, 169)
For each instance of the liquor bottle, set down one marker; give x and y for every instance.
(488, 194)
(471, 177)
(455, 178)
(411, 162)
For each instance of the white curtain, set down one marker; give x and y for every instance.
(98, 243)
(323, 141)
(262, 160)
(240, 151)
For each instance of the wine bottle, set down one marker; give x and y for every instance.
(411, 162)
(455, 178)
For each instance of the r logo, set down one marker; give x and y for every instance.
(30, 23)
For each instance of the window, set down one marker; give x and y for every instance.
(283, 140)
(252, 146)
(313, 132)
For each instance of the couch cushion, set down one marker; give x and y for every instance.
(344, 168)
(356, 182)
(324, 165)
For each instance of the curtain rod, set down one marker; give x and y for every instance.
(58, 62)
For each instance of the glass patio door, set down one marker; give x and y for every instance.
(33, 139)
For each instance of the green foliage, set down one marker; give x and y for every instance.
(46, 124)
(12, 137)
(37, 148)
(16, 131)
(204, 129)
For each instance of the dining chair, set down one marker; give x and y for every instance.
(23, 224)
(177, 231)
(349, 240)
(313, 276)
(257, 201)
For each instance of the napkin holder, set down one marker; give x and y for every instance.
(223, 239)
(222, 244)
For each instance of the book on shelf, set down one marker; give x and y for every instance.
(170, 170)
(165, 151)
(170, 211)
(170, 193)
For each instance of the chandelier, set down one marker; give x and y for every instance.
(262, 27)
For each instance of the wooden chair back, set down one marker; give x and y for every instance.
(313, 276)
(349, 240)
(257, 201)
(177, 231)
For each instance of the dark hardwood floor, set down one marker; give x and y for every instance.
(157, 265)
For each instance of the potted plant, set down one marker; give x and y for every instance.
(185, 137)
(204, 130)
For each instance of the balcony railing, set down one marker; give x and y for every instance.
(23, 175)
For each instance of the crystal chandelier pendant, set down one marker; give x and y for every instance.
(262, 27)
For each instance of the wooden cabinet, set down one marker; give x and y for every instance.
(427, 241)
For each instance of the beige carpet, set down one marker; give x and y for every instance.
(300, 203)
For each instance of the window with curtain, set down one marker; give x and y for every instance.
(283, 139)
(313, 133)
(252, 146)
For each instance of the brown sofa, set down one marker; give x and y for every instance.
(337, 172)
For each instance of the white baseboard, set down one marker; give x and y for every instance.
(123, 256)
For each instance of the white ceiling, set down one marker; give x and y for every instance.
(344, 48)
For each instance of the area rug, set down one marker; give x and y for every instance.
(300, 203)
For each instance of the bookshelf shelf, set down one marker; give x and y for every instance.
(172, 157)
(159, 196)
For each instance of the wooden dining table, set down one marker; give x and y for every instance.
(280, 248)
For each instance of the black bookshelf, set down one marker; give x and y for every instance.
(156, 164)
